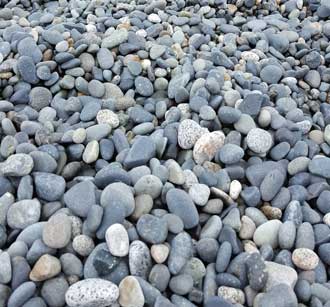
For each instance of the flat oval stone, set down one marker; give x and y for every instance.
(117, 240)
(181, 204)
(92, 292)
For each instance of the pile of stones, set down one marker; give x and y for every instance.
(164, 153)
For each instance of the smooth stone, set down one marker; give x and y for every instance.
(117, 240)
(24, 213)
(271, 184)
(320, 166)
(139, 259)
(305, 258)
(130, 293)
(92, 292)
(278, 274)
(279, 296)
(57, 231)
(180, 252)
(152, 229)
(267, 233)
(53, 291)
(118, 194)
(80, 198)
(45, 268)
(207, 145)
(22, 294)
(188, 133)
(150, 185)
(49, 187)
(259, 140)
(186, 211)
(6, 268)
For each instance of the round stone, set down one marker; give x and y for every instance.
(159, 252)
(259, 140)
(271, 74)
(230, 153)
(305, 259)
(83, 245)
(17, 165)
(188, 133)
(40, 97)
(267, 233)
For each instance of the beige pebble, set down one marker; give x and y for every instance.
(159, 252)
(305, 259)
(45, 268)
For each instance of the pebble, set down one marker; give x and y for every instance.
(92, 292)
(130, 293)
(57, 231)
(80, 198)
(259, 140)
(233, 295)
(17, 165)
(199, 193)
(186, 211)
(207, 145)
(278, 274)
(267, 233)
(152, 229)
(117, 240)
(23, 213)
(45, 268)
(305, 258)
(188, 133)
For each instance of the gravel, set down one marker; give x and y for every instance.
(164, 153)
